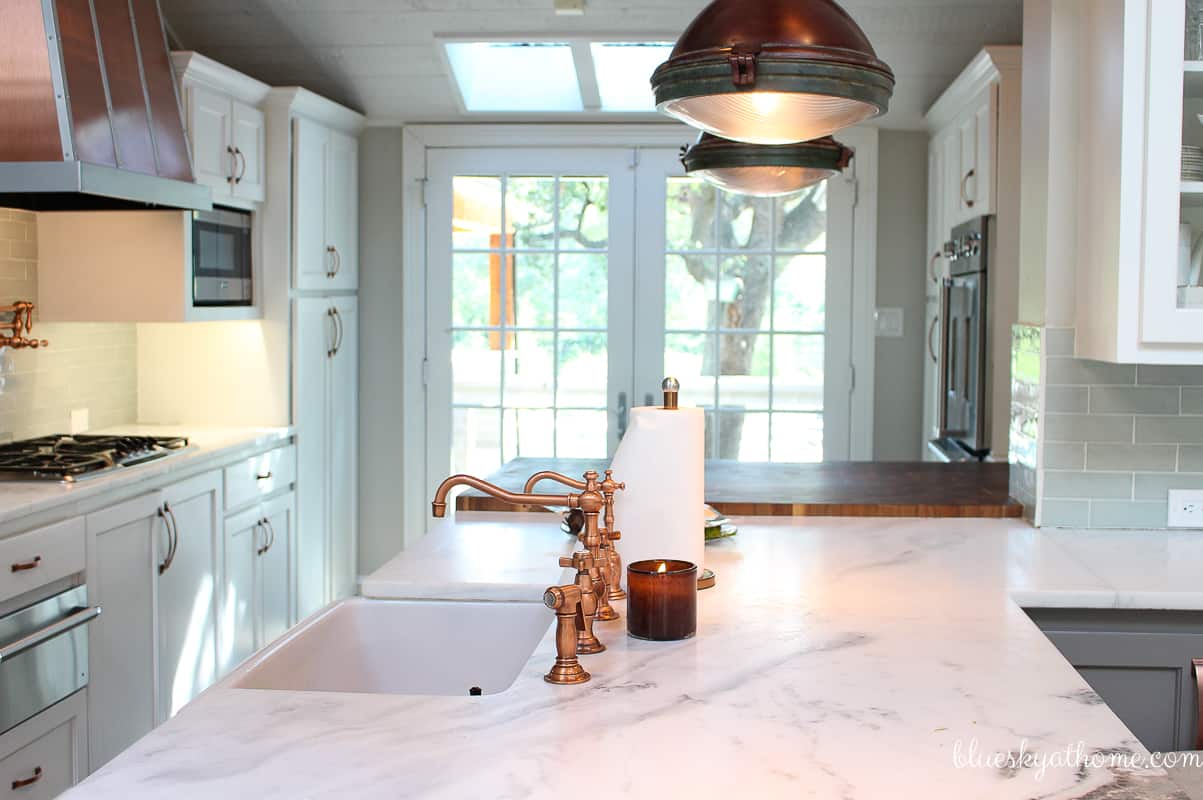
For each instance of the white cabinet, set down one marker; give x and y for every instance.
(187, 599)
(325, 401)
(257, 586)
(152, 568)
(124, 546)
(325, 207)
(47, 754)
(1137, 101)
(225, 129)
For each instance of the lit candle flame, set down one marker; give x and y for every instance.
(663, 567)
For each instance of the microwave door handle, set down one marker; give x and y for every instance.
(69, 622)
(942, 405)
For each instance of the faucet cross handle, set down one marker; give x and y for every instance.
(566, 602)
(586, 581)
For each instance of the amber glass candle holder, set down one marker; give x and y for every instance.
(662, 599)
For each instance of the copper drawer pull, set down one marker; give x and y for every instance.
(1196, 666)
(22, 566)
(37, 776)
(264, 477)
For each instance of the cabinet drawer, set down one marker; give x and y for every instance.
(32, 559)
(41, 758)
(247, 481)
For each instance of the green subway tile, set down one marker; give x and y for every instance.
(1131, 457)
(1192, 400)
(1134, 399)
(1084, 485)
(1169, 430)
(1190, 459)
(1169, 375)
(1061, 371)
(1065, 513)
(1064, 455)
(1059, 341)
(1123, 514)
(1153, 486)
(1087, 428)
(1066, 400)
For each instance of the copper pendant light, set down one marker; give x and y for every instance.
(764, 170)
(773, 72)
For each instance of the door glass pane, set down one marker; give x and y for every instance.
(529, 318)
(745, 277)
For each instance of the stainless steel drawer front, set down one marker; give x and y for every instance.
(43, 654)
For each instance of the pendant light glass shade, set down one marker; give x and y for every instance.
(773, 72)
(764, 170)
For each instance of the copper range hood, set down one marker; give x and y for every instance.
(89, 109)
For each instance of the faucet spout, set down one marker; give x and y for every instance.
(439, 506)
(549, 475)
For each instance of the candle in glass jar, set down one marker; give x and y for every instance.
(662, 599)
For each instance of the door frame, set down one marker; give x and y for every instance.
(417, 486)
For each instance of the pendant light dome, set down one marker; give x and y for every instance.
(764, 170)
(773, 72)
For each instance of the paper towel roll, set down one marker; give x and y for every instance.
(661, 460)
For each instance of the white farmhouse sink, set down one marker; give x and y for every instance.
(403, 647)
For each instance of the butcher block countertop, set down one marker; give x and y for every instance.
(832, 489)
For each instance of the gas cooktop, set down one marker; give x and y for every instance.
(72, 458)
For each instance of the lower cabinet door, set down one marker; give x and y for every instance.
(46, 755)
(244, 536)
(275, 569)
(121, 578)
(188, 593)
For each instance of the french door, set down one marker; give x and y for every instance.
(564, 284)
(529, 289)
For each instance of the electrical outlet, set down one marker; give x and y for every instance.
(79, 420)
(1186, 509)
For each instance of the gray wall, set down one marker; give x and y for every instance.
(901, 276)
(380, 379)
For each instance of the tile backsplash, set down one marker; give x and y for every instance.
(1116, 438)
(87, 365)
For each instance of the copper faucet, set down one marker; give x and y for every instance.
(610, 562)
(586, 640)
(566, 602)
(22, 321)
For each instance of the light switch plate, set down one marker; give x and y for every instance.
(889, 323)
(1186, 509)
(79, 420)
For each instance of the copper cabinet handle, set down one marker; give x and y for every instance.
(22, 566)
(931, 348)
(964, 198)
(338, 260)
(233, 164)
(242, 158)
(1196, 667)
(931, 266)
(21, 784)
(173, 536)
(271, 529)
(264, 476)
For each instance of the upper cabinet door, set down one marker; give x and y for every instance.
(209, 115)
(313, 262)
(248, 138)
(342, 210)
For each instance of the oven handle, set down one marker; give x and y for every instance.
(942, 364)
(63, 625)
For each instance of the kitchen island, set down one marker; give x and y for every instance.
(835, 658)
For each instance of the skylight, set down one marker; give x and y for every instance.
(563, 76)
(624, 70)
(515, 76)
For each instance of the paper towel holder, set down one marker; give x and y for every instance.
(671, 386)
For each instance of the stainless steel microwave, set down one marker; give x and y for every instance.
(222, 268)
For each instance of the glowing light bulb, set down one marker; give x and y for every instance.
(765, 102)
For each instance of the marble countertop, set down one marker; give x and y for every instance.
(835, 658)
(206, 445)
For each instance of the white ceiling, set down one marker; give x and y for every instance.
(381, 56)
